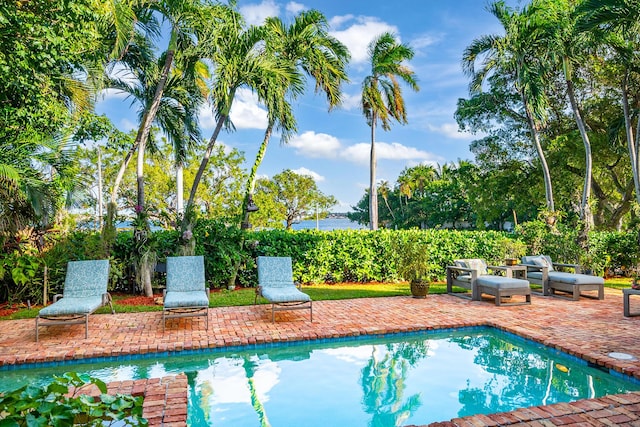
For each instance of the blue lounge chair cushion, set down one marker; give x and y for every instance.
(72, 305)
(275, 272)
(86, 278)
(186, 299)
(84, 286)
(185, 273)
(280, 294)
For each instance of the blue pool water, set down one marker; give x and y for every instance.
(393, 380)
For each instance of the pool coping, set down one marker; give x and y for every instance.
(581, 332)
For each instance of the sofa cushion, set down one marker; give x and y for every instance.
(474, 263)
(501, 282)
(540, 260)
(575, 279)
(535, 275)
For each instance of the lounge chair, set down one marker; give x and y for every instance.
(85, 290)
(473, 274)
(186, 294)
(275, 284)
(541, 270)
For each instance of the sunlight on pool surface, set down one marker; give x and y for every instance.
(390, 381)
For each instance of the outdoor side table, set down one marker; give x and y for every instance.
(516, 271)
(626, 295)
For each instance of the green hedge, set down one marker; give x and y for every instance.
(319, 256)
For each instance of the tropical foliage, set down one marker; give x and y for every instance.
(553, 99)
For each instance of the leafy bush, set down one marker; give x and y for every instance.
(62, 403)
(318, 256)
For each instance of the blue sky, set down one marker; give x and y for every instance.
(333, 147)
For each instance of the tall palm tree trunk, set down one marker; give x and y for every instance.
(179, 189)
(99, 210)
(632, 145)
(145, 126)
(249, 195)
(186, 221)
(585, 210)
(254, 170)
(373, 191)
(545, 167)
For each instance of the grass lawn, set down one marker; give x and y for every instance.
(246, 296)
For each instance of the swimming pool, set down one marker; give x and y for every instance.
(400, 379)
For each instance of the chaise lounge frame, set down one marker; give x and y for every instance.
(572, 291)
(487, 284)
(275, 284)
(85, 291)
(185, 284)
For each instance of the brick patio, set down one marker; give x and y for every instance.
(590, 329)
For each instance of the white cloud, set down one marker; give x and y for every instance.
(451, 130)
(304, 171)
(294, 8)
(351, 102)
(337, 21)
(313, 144)
(425, 40)
(256, 13)
(206, 117)
(361, 152)
(246, 112)
(358, 35)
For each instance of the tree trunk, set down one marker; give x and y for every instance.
(179, 189)
(631, 142)
(203, 166)
(99, 210)
(585, 209)
(373, 191)
(545, 168)
(145, 126)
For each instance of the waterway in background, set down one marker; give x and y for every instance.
(328, 224)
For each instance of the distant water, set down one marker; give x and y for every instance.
(328, 224)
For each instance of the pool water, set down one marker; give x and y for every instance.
(393, 380)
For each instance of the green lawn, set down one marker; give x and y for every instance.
(239, 297)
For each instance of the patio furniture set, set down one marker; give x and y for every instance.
(506, 281)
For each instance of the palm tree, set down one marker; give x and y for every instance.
(514, 54)
(309, 47)
(239, 61)
(176, 116)
(617, 25)
(382, 98)
(568, 48)
(35, 174)
(187, 21)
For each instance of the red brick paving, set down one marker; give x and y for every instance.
(588, 328)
